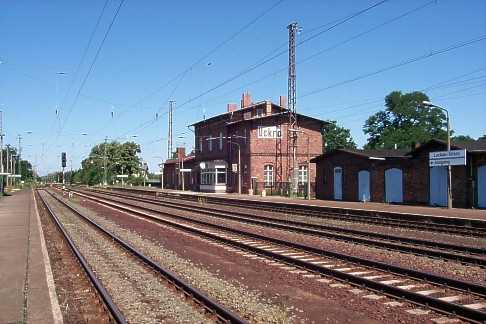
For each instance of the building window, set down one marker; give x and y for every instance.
(220, 141)
(221, 176)
(302, 174)
(260, 112)
(210, 143)
(213, 176)
(268, 175)
(200, 143)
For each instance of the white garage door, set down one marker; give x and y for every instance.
(482, 186)
(338, 183)
(393, 185)
(364, 185)
(438, 186)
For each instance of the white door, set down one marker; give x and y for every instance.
(438, 186)
(393, 185)
(482, 186)
(364, 185)
(338, 183)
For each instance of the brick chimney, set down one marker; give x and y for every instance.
(245, 100)
(282, 102)
(232, 107)
(180, 153)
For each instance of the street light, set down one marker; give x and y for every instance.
(181, 172)
(429, 104)
(308, 160)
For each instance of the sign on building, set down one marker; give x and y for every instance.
(445, 158)
(269, 132)
(234, 167)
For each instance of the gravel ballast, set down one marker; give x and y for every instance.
(137, 291)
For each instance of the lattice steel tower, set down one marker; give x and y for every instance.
(292, 109)
(169, 136)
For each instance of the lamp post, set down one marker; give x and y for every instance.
(449, 171)
(182, 163)
(308, 160)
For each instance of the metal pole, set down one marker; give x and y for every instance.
(104, 164)
(182, 173)
(239, 168)
(449, 168)
(8, 162)
(308, 169)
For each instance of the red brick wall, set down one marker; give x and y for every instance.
(416, 177)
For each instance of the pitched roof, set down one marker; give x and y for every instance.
(369, 154)
(188, 158)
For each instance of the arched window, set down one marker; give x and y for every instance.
(268, 175)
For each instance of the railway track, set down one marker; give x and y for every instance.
(445, 295)
(209, 306)
(464, 254)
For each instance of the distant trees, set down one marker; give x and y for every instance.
(337, 137)
(404, 121)
(120, 158)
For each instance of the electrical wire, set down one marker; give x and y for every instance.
(91, 67)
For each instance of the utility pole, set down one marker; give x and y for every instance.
(104, 164)
(19, 160)
(1, 152)
(292, 109)
(169, 137)
(8, 162)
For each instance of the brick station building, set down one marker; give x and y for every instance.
(260, 131)
(397, 176)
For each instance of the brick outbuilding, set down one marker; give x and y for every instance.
(397, 176)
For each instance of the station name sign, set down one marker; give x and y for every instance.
(269, 132)
(445, 158)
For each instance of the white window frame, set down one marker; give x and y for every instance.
(210, 140)
(268, 175)
(303, 174)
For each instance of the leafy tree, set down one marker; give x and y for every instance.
(404, 121)
(120, 158)
(462, 139)
(482, 137)
(337, 137)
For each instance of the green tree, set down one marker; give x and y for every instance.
(337, 137)
(404, 121)
(482, 137)
(120, 158)
(463, 139)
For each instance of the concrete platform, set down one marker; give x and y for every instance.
(27, 292)
(427, 211)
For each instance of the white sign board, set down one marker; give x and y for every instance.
(122, 176)
(234, 167)
(445, 158)
(269, 132)
(15, 176)
(186, 170)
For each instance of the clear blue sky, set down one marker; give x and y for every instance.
(153, 41)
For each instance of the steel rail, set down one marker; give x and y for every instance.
(105, 296)
(435, 303)
(431, 223)
(224, 314)
(323, 231)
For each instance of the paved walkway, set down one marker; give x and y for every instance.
(24, 292)
(479, 214)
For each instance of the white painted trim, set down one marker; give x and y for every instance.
(56, 309)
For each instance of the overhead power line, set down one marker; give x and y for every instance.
(91, 66)
(397, 65)
(85, 52)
